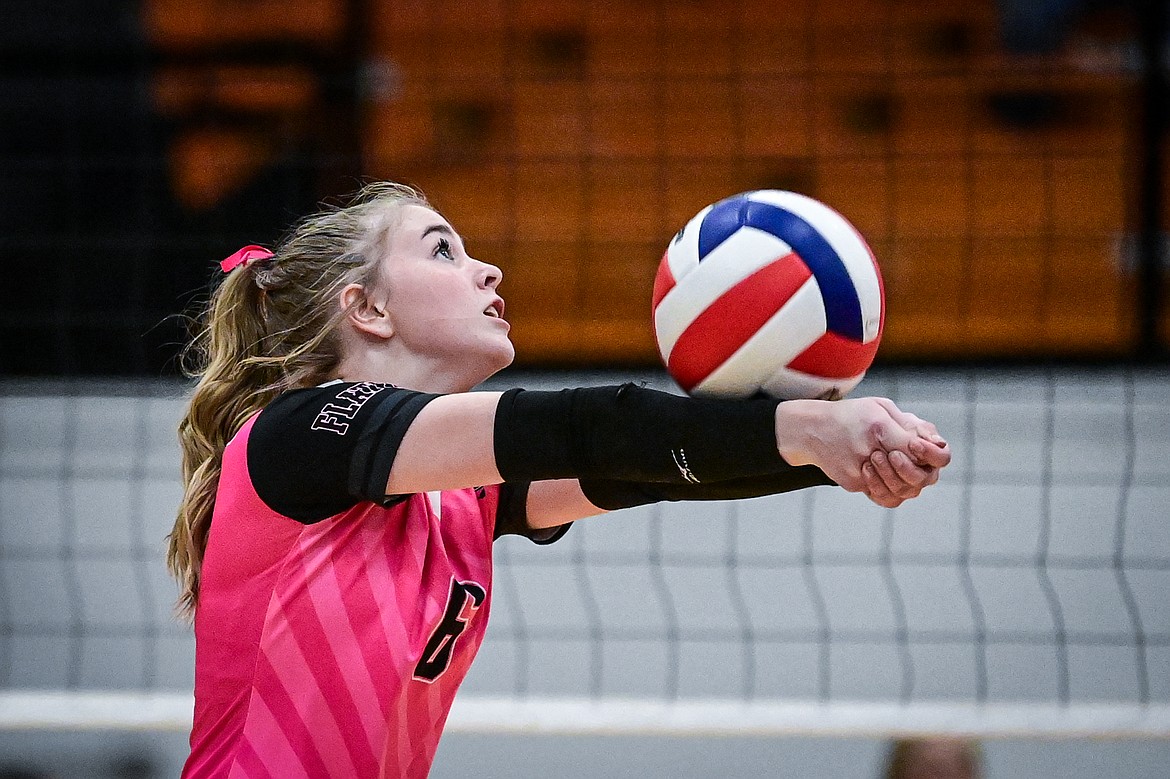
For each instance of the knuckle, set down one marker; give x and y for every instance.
(851, 482)
(909, 472)
(902, 465)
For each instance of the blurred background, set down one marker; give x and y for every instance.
(1004, 158)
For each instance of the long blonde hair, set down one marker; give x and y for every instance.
(269, 327)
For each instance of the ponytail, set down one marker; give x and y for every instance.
(231, 388)
(269, 327)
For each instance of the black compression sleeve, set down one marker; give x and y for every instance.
(611, 495)
(512, 516)
(634, 434)
(512, 509)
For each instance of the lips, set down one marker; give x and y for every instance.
(495, 309)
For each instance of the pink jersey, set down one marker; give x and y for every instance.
(334, 649)
(336, 622)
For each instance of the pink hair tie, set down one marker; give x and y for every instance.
(244, 256)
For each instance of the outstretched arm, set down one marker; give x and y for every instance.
(886, 478)
(629, 433)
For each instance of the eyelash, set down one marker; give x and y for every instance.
(444, 248)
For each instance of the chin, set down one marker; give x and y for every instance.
(496, 358)
(505, 357)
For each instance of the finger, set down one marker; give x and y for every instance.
(888, 503)
(907, 470)
(930, 454)
(911, 422)
(874, 485)
(931, 477)
(923, 428)
(895, 483)
(887, 434)
(876, 489)
(905, 419)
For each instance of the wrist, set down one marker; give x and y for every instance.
(797, 422)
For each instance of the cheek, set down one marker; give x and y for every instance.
(431, 313)
(416, 299)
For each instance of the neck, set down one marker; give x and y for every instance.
(408, 371)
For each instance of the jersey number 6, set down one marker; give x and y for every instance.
(464, 600)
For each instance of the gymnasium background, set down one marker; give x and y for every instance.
(1006, 161)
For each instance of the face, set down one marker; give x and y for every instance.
(442, 304)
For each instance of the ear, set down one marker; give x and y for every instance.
(364, 314)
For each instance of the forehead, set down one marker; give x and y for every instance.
(413, 220)
(402, 234)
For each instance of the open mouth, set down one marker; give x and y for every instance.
(495, 310)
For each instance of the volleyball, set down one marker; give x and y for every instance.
(768, 292)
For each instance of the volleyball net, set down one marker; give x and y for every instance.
(1025, 594)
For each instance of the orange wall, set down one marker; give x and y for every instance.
(569, 140)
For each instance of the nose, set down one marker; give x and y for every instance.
(489, 276)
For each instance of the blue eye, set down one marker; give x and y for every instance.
(443, 248)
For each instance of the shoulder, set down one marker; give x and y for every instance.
(316, 451)
(335, 410)
(329, 408)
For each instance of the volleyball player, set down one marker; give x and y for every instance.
(344, 487)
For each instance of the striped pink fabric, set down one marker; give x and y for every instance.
(308, 636)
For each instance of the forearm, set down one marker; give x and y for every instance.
(626, 433)
(634, 434)
(612, 495)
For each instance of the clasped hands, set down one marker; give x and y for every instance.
(866, 445)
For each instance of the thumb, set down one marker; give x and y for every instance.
(891, 436)
(912, 422)
(898, 415)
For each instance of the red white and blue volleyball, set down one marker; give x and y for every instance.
(768, 292)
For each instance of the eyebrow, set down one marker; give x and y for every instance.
(437, 228)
